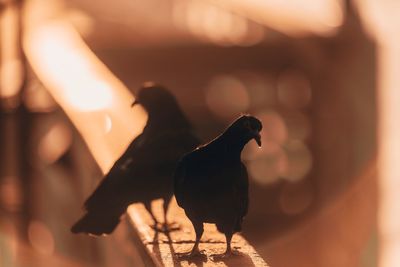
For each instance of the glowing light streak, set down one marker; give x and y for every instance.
(88, 92)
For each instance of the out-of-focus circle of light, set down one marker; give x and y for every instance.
(194, 14)
(274, 127)
(295, 199)
(267, 164)
(299, 160)
(55, 143)
(10, 194)
(41, 238)
(268, 168)
(255, 34)
(11, 243)
(37, 98)
(294, 90)
(261, 89)
(227, 97)
(252, 151)
(215, 24)
(298, 125)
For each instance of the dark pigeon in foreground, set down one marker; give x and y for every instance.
(145, 171)
(211, 183)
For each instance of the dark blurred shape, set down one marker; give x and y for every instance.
(144, 172)
(211, 183)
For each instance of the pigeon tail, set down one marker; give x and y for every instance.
(96, 224)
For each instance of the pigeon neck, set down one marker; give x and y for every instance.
(165, 121)
(234, 144)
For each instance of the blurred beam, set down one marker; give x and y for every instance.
(294, 18)
(94, 99)
(99, 106)
(389, 152)
(383, 21)
(12, 73)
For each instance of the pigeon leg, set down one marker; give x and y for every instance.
(165, 209)
(167, 227)
(228, 237)
(147, 205)
(199, 229)
(229, 252)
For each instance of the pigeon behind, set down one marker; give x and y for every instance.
(145, 170)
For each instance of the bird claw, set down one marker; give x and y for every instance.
(190, 255)
(225, 255)
(165, 227)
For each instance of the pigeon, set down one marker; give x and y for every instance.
(211, 182)
(145, 170)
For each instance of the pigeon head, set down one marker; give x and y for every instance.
(155, 98)
(161, 106)
(247, 127)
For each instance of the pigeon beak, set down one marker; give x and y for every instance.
(134, 103)
(257, 137)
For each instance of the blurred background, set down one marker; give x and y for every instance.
(321, 75)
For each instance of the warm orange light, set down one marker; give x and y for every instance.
(295, 17)
(97, 103)
(383, 21)
(11, 67)
(215, 24)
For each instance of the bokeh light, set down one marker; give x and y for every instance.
(8, 242)
(283, 154)
(41, 238)
(294, 90)
(274, 127)
(226, 97)
(55, 143)
(299, 125)
(268, 167)
(11, 65)
(215, 24)
(10, 193)
(261, 88)
(299, 160)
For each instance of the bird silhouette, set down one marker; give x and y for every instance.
(145, 170)
(211, 182)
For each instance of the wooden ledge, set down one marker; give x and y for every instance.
(162, 248)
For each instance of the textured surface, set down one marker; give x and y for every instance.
(162, 248)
